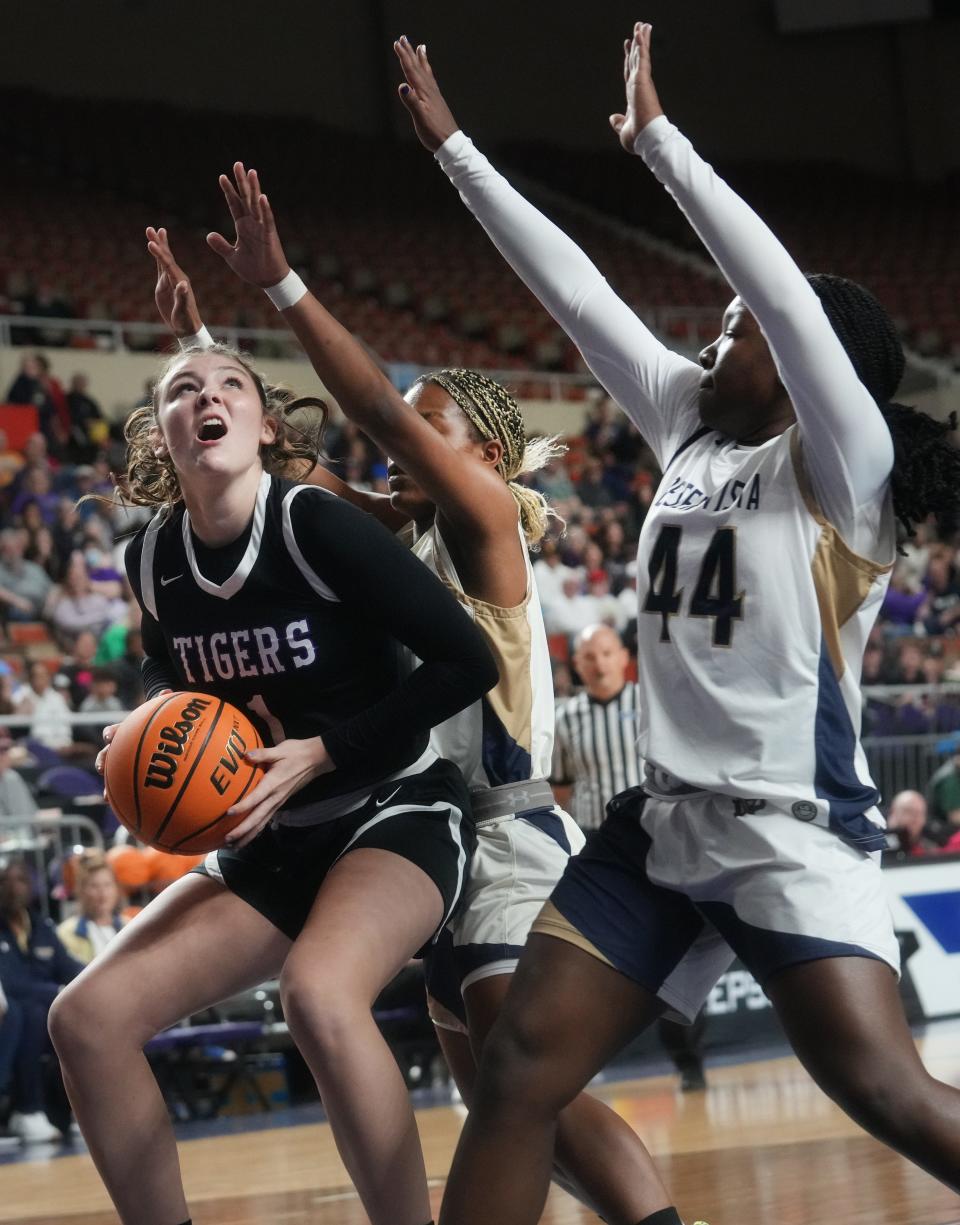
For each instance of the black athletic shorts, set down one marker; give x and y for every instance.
(424, 817)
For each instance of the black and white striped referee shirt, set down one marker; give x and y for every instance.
(595, 750)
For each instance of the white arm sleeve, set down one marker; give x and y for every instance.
(846, 444)
(655, 387)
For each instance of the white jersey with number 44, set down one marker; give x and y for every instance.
(753, 617)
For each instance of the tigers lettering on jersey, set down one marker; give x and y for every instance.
(259, 651)
(264, 629)
(683, 494)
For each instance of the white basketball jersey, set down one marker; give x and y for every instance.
(753, 617)
(507, 736)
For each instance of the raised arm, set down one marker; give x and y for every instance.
(847, 446)
(173, 292)
(179, 310)
(467, 495)
(654, 386)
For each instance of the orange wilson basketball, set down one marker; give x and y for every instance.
(175, 766)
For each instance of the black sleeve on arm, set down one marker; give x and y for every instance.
(367, 567)
(157, 668)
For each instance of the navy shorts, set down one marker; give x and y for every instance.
(668, 892)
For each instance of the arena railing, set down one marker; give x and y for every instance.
(45, 839)
(111, 336)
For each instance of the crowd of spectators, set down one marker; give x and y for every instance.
(60, 565)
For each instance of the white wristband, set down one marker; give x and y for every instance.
(287, 292)
(201, 340)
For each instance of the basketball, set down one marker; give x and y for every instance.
(175, 766)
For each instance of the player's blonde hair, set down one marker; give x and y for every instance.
(151, 479)
(496, 415)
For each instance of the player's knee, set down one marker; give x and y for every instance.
(75, 1023)
(516, 1067)
(317, 1008)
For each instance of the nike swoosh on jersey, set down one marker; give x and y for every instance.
(165, 582)
(380, 803)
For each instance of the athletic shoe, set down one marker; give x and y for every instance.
(692, 1078)
(34, 1128)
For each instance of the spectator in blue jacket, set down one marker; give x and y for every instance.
(11, 1024)
(34, 965)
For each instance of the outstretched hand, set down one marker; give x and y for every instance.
(421, 95)
(256, 254)
(643, 105)
(173, 293)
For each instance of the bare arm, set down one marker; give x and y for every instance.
(180, 311)
(468, 496)
(173, 292)
(376, 504)
(15, 601)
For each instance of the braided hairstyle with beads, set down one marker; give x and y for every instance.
(495, 415)
(926, 466)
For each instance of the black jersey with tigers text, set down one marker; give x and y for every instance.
(299, 622)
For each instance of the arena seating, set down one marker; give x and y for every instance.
(392, 252)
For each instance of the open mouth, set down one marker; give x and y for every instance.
(212, 429)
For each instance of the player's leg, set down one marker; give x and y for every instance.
(808, 915)
(599, 1158)
(195, 944)
(566, 1014)
(845, 1020)
(393, 885)
(606, 955)
(446, 1008)
(456, 1040)
(373, 912)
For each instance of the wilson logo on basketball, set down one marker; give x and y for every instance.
(162, 767)
(176, 767)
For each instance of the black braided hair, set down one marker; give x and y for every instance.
(926, 465)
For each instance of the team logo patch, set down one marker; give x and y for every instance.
(804, 810)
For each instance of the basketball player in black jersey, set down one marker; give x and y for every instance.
(289, 602)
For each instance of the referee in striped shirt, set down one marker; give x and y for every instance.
(595, 749)
(594, 758)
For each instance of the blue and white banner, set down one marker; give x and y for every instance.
(925, 900)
